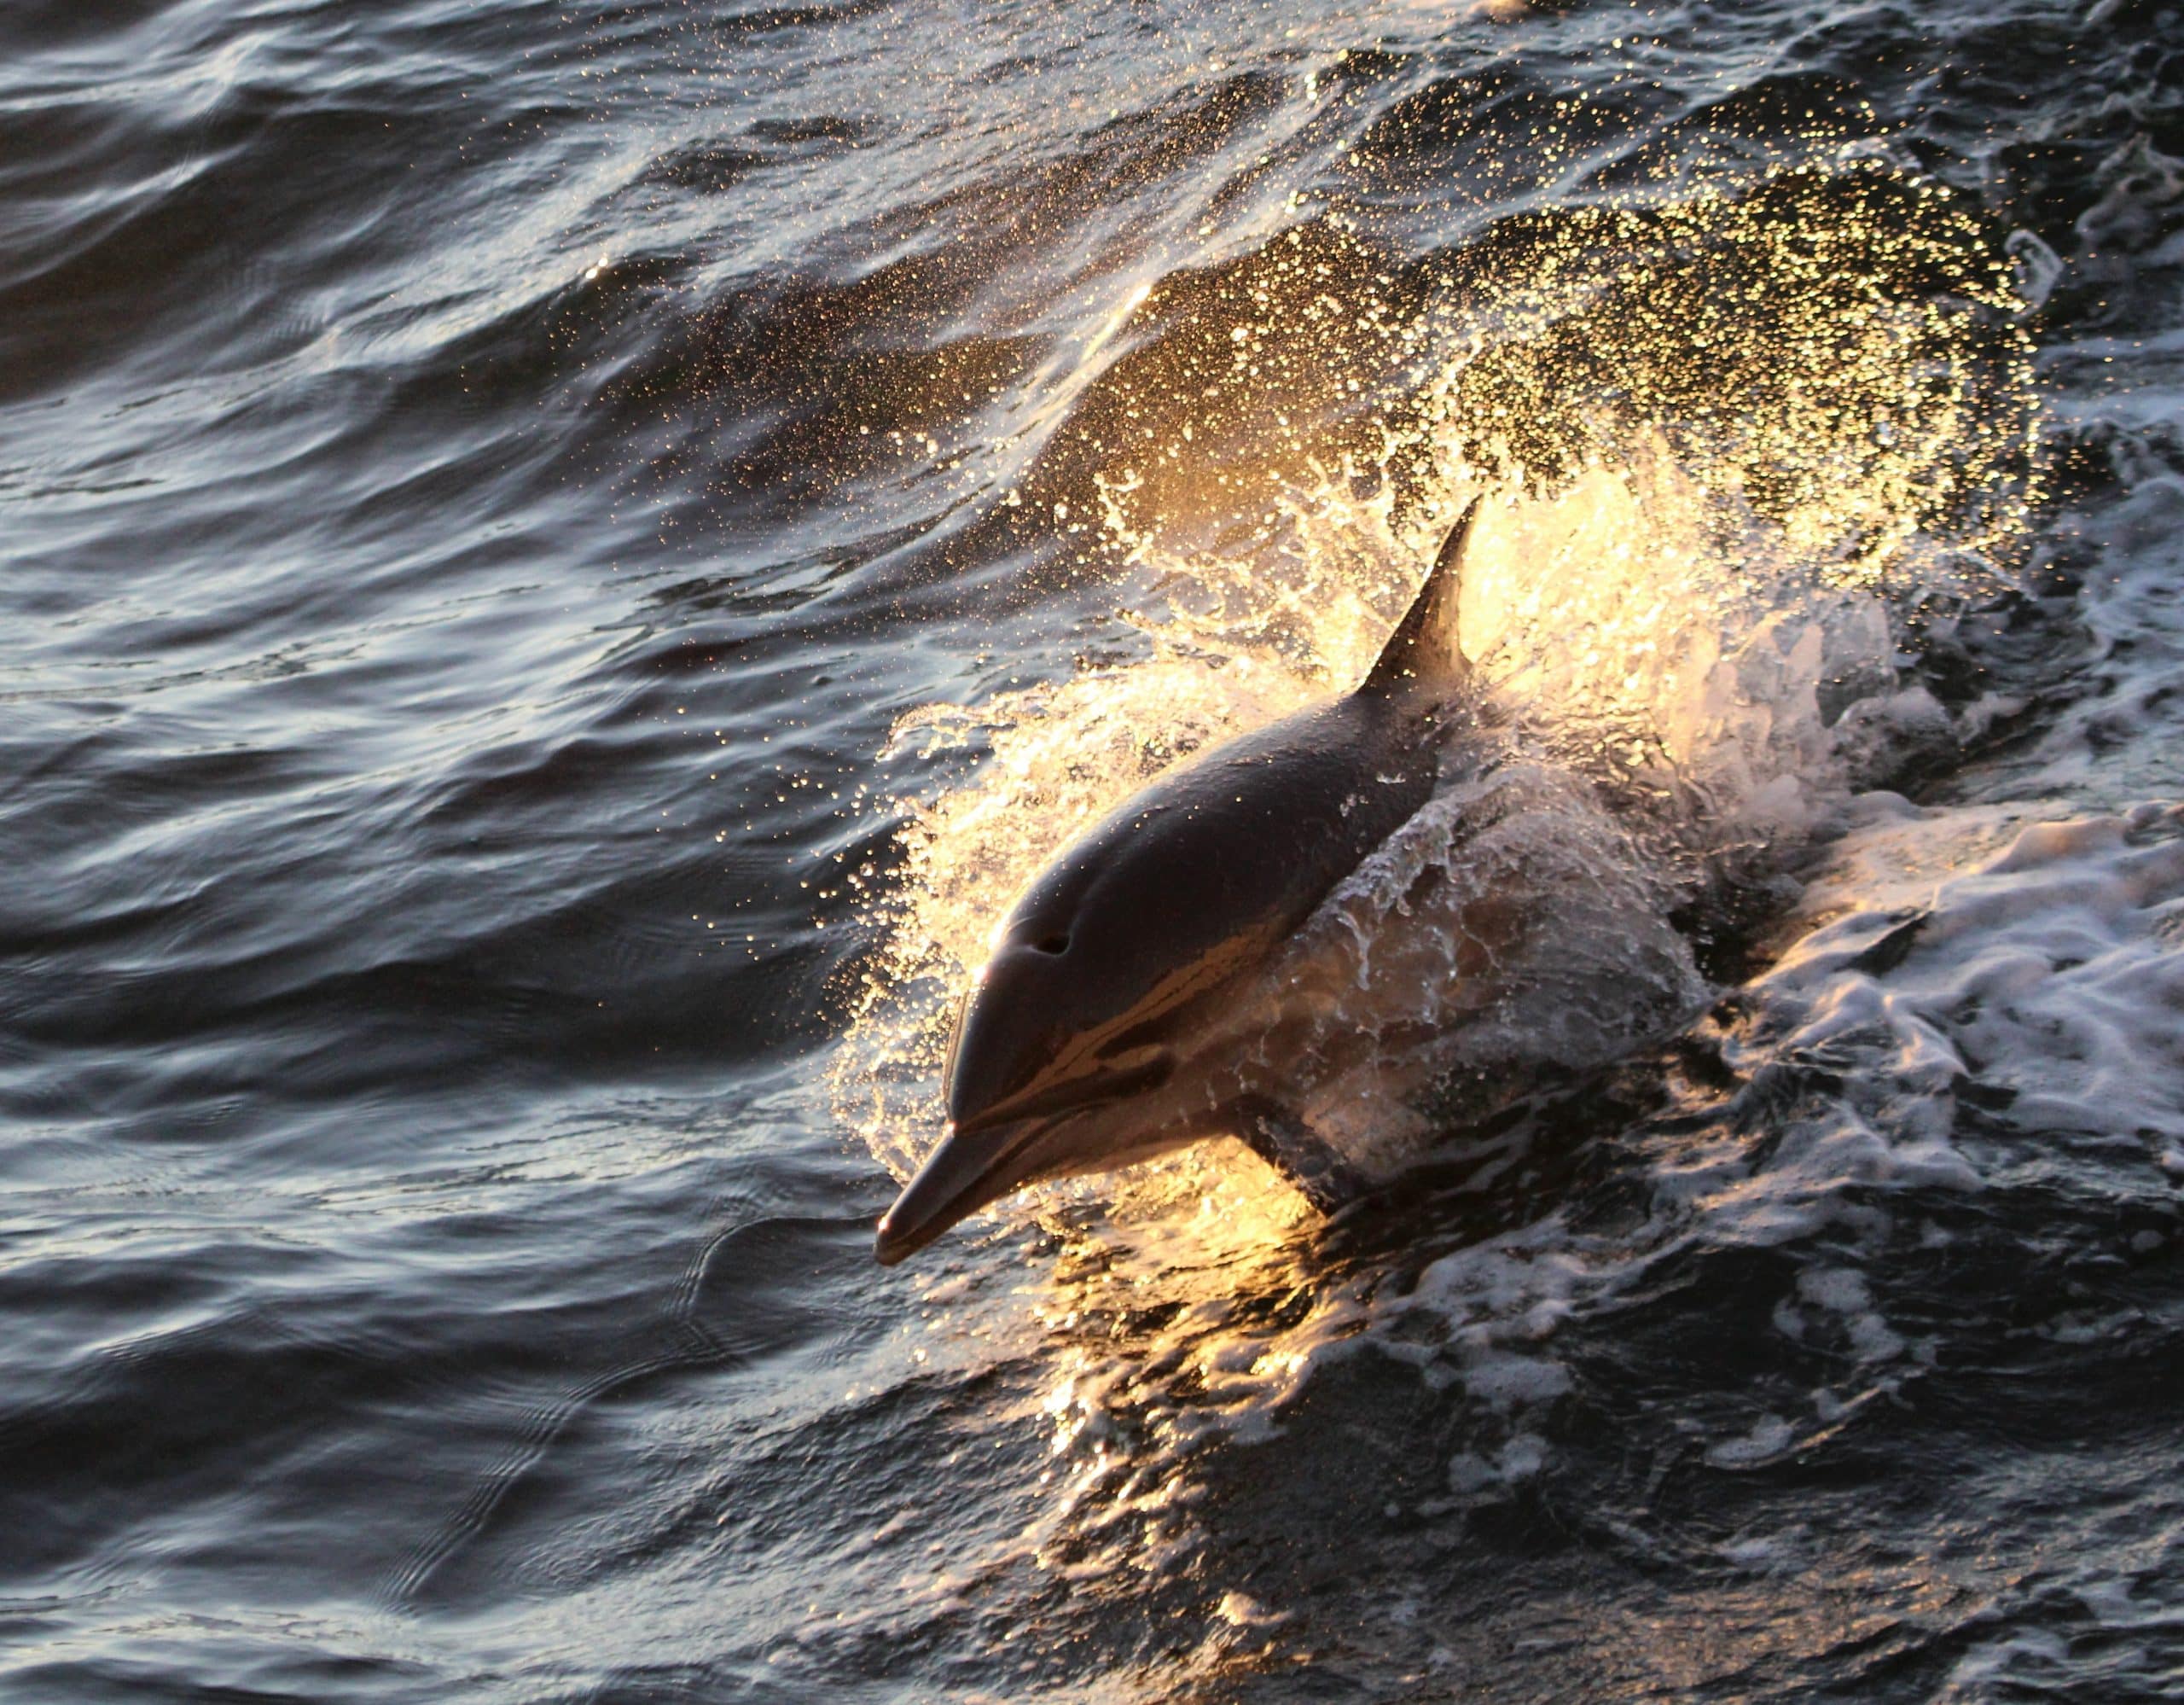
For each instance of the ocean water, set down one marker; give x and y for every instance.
(558, 564)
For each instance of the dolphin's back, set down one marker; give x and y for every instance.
(1253, 835)
(1243, 844)
(1181, 889)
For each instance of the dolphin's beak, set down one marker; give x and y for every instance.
(968, 1170)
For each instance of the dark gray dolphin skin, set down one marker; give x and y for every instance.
(1092, 1038)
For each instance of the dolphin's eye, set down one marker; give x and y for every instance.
(1051, 944)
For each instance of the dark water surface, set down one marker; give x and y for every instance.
(481, 485)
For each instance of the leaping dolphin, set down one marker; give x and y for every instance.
(1093, 1039)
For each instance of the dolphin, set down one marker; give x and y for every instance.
(1095, 1036)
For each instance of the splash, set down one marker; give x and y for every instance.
(1737, 452)
(1738, 449)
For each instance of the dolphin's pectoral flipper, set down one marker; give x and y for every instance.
(1292, 1148)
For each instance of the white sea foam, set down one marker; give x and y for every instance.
(2048, 969)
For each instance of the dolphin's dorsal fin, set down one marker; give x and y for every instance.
(1426, 649)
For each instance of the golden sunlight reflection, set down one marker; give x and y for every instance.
(1152, 1349)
